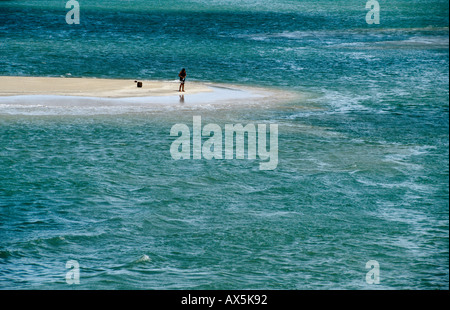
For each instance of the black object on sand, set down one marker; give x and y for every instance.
(139, 84)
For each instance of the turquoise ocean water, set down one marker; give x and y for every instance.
(363, 154)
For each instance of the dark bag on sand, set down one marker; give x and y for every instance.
(139, 84)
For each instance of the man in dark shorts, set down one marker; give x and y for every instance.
(182, 76)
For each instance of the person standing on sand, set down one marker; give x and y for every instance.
(182, 76)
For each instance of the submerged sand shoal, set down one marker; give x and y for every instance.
(45, 92)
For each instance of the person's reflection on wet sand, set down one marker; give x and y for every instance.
(181, 99)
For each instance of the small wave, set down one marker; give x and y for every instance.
(143, 259)
(417, 42)
(346, 103)
(5, 254)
